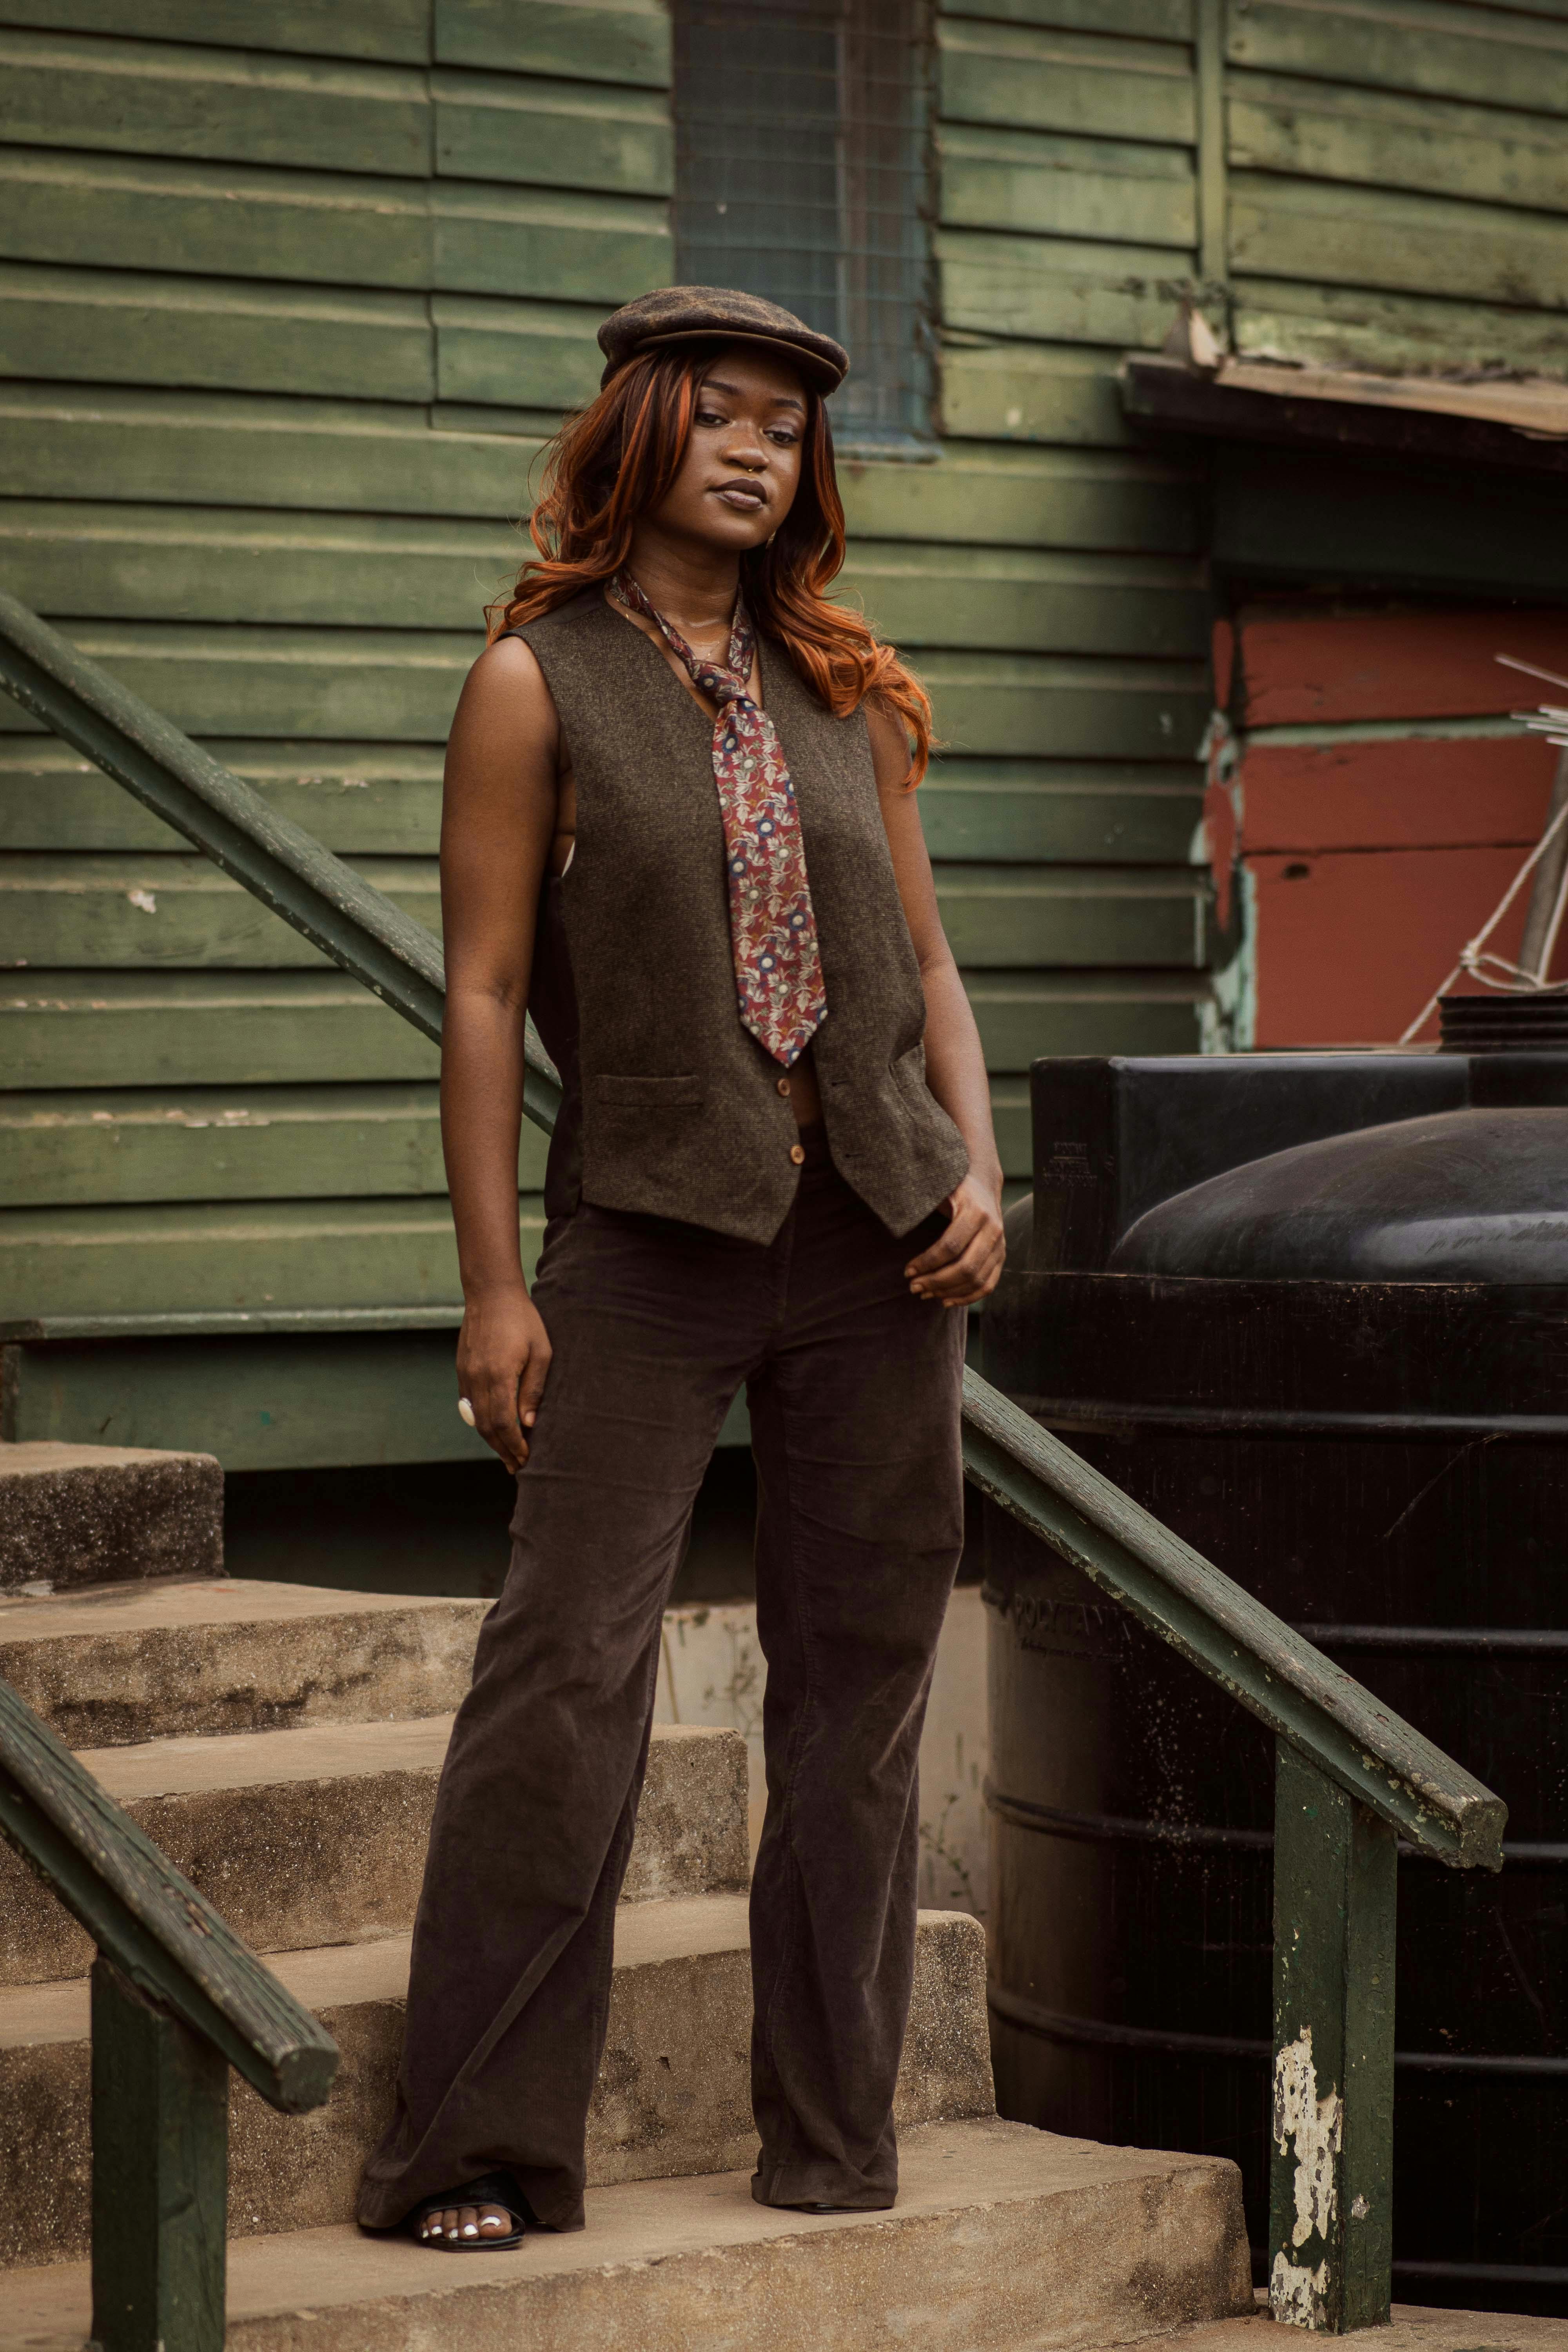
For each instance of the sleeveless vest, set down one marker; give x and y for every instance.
(672, 1107)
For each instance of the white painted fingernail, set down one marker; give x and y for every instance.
(466, 1413)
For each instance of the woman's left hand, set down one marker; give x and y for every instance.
(966, 1262)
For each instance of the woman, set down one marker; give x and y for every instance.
(678, 824)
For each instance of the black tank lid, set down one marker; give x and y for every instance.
(1476, 1195)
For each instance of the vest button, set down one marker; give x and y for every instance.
(783, 1086)
(798, 1153)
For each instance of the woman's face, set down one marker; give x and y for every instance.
(742, 467)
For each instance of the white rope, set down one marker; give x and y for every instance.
(1474, 960)
(1495, 970)
(1555, 925)
(1529, 670)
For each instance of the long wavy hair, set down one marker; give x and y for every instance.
(618, 457)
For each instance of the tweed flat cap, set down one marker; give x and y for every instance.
(719, 314)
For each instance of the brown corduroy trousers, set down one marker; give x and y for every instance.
(854, 1390)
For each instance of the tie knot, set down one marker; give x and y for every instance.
(726, 686)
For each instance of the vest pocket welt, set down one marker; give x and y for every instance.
(909, 1074)
(614, 1092)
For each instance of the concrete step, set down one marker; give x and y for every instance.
(125, 1663)
(318, 1836)
(1002, 2240)
(1414, 2327)
(673, 2095)
(74, 1515)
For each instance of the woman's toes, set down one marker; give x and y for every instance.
(465, 2225)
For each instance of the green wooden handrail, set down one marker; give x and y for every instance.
(1351, 1777)
(177, 2000)
(1376, 1758)
(159, 1931)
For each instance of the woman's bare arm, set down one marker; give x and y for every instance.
(498, 819)
(965, 1262)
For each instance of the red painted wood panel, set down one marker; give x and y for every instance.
(1304, 666)
(1350, 946)
(1411, 792)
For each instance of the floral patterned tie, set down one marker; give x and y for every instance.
(773, 929)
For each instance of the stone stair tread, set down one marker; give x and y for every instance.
(1414, 2327)
(681, 1927)
(73, 1514)
(308, 1834)
(317, 1836)
(180, 1767)
(1002, 2237)
(336, 1976)
(673, 2095)
(315, 1752)
(122, 1663)
(128, 1607)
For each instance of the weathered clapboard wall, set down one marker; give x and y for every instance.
(1398, 201)
(1074, 693)
(289, 293)
(1371, 805)
(1398, 182)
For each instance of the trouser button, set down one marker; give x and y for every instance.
(798, 1153)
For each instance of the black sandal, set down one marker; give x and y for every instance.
(491, 2188)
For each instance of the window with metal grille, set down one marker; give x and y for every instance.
(801, 171)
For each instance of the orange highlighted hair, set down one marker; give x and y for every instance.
(619, 457)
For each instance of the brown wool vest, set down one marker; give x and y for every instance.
(672, 1106)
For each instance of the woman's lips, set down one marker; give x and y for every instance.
(741, 497)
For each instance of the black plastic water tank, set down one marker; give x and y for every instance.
(1312, 1311)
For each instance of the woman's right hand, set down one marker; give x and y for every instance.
(503, 1361)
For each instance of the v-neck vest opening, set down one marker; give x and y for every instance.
(642, 966)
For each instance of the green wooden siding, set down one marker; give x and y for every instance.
(1398, 182)
(260, 1401)
(289, 295)
(393, 29)
(1067, 673)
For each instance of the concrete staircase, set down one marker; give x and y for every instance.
(282, 1745)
